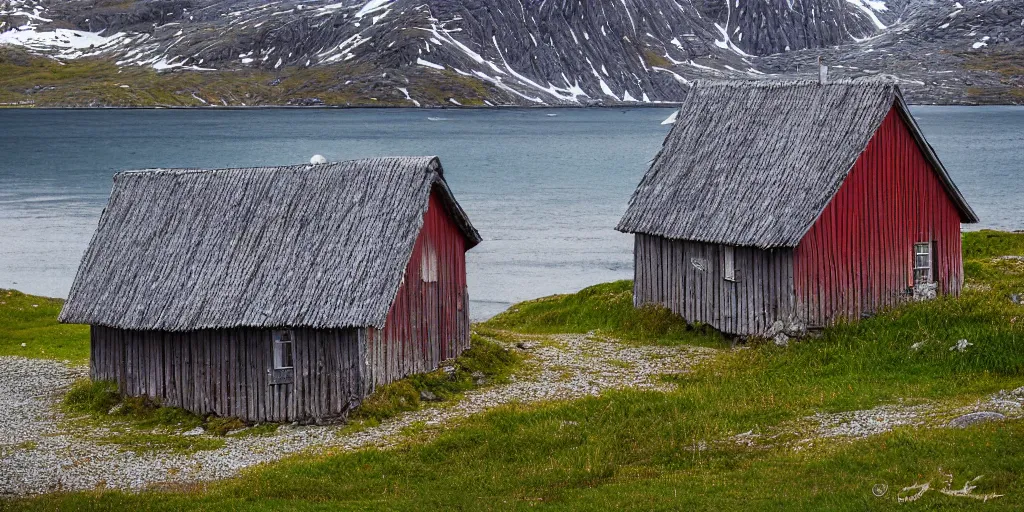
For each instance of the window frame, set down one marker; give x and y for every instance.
(926, 271)
(729, 263)
(279, 350)
(429, 263)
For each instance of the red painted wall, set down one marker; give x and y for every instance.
(429, 319)
(858, 256)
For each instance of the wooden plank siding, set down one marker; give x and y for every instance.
(688, 278)
(858, 256)
(227, 372)
(429, 319)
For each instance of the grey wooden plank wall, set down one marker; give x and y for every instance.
(687, 277)
(227, 372)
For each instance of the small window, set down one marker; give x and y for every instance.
(730, 262)
(428, 263)
(284, 350)
(923, 263)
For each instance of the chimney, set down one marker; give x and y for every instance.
(822, 73)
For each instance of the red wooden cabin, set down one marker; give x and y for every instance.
(788, 205)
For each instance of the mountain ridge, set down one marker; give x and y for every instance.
(501, 52)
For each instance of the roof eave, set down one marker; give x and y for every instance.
(967, 214)
(454, 209)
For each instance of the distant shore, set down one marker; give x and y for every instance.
(430, 109)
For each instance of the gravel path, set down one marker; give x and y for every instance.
(40, 453)
(885, 418)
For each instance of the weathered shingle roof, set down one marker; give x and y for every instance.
(754, 163)
(320, 246)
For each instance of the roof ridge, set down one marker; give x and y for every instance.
(425, 161)
(874, 80)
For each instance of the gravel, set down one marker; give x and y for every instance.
(882, 419)
(879, 420)
(41, 452)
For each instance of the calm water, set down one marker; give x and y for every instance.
(544, 187)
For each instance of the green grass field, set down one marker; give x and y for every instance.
(643, 450)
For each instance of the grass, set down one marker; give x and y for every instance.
(645, 450)
(29, 328)
(485, 361)
(142, 425)
(606, 309)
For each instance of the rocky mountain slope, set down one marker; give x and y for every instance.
(492, 52)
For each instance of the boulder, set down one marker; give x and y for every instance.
(975, 418)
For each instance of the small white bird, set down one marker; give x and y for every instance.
(318, 160)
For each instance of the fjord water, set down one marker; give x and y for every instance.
(545, 187)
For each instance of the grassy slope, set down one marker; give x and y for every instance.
(648, 450)
(44, 82)
(30, 320)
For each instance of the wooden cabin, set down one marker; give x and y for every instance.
(275, 293)
(792, 205)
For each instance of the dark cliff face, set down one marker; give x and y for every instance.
(534, 51)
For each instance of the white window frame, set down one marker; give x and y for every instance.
(284, 345)
(926, 269)
(428, 263)
(729, 263)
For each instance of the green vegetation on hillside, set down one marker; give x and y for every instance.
(27, 80)
(647, 450)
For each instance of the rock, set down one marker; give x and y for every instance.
(198, 431)
(776, 328)
(1016, 299)
(926, 291)
(479, 378)
(781, 340)
(522, 345)
(961, 346)
(318, 160)
(427, 396)
(917, 346)
(975, 418)
(1018, 392)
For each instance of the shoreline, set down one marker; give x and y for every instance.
(666, 105)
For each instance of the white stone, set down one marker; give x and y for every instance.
(318, 160)
(961, 346)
